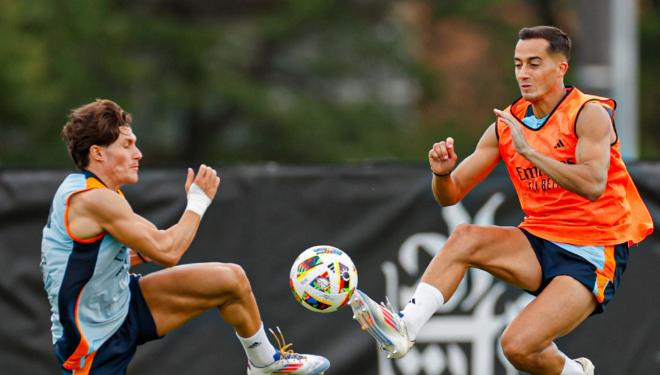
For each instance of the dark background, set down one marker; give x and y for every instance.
(262, 218)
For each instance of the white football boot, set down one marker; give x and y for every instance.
(290, 362)
(385, 325)
(586, 364)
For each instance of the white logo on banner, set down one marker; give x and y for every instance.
(463, 337)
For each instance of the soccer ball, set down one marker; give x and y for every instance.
(323, 279)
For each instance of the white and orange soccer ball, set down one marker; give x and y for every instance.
(323, 279)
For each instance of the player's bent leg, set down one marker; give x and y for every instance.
(176, 295)
(528, 341)
(504, 252)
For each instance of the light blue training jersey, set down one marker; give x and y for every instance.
(87, 280)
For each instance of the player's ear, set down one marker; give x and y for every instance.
(96, 153)
(563, 67)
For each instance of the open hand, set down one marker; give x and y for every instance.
(519, 141)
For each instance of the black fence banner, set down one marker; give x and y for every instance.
(383, 215)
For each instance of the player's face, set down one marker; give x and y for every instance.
(123, 157)
(537, 71)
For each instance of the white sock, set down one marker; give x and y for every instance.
(425, 302)
(258, 348)
(571, 367)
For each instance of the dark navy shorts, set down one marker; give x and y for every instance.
(598, 268)
(113, 356)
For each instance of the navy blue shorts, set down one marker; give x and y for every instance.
(598, 268)
(113, 356)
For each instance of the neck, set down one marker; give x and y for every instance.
(548, 102)
(104, 177)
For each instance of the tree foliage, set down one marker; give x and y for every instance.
(246, 81)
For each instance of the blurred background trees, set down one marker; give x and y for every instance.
(276, 80)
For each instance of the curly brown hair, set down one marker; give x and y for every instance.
(95, 123)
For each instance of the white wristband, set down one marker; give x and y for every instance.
(198, 201)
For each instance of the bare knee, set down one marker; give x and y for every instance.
(519, 351)
(224, 282)
(513, 349)
(463, 241)
(236, 279)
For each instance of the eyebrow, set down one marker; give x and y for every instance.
(130, 139)
(528, 59)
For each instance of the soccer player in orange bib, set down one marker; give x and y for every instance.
(582, 212)
(100, 312)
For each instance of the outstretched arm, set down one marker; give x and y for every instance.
(107, 211)
(588, 176)
(451, 185)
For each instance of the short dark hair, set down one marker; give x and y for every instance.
(95, 123)
(558, 40)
